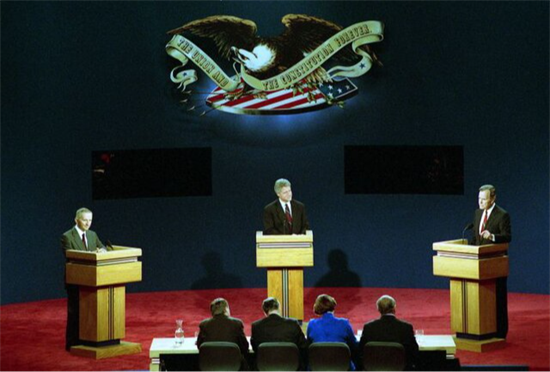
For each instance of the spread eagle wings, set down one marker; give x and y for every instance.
(226, 31)
(304, 33)
(307, 33)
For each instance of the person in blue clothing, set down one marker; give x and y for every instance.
(328, 328)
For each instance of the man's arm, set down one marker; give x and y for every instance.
(302, 344)
(254, 338)
(65, 243)
(68, 244)
(362, 342)
(475, 230)
(411, 345)
(95, 243)
(301, 341)
(305, 222)
(201, 336)
(99, 244)
(269, 222)
(243, 342)
(504, 234)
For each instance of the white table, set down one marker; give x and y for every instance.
(168, 346)
(437, 342)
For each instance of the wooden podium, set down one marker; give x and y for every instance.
(285, 257)
(102, 297)
(473, 271)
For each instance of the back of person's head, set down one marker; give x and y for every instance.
(270, 304)
(324, 303)
(219, 306)
(386, 305)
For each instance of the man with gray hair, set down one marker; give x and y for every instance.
(491, 222)
(79, 238)
(390, 329)
(285, 216)
(492, 225)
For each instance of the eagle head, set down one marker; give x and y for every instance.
(260, 59)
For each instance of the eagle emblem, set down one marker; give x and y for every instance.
(310, 62)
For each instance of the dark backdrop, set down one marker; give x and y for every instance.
(79, 77)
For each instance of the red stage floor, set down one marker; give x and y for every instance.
(32, 334)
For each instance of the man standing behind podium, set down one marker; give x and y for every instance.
(79, 238)
(492, 225)
(285, 216)
(491, 222)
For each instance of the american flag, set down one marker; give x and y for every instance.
(284, 101)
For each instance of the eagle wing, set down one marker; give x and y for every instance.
(226, 31)
(308, 32)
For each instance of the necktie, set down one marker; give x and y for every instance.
(484, 221)
(84, 241)
(288, 218)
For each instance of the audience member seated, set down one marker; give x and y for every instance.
(275, 328)
(329, 328)
(390, 329)
(222, 327)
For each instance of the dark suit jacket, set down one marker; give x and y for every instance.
(498, 224)
(71, 240)
(275, 328)
(223, 328)
(275, 220)
(390, 329)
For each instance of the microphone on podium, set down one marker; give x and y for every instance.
(468, 227)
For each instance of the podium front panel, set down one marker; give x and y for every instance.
(480, 269)
(284, 257)
(97, 276)
(287, 285)
(473, 307)
(102, 313)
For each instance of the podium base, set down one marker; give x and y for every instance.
(124, 348)
(479, 346)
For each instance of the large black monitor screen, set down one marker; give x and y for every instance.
(125, 174)
(404, 170)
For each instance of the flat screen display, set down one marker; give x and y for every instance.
(121, 174)
(404, 170)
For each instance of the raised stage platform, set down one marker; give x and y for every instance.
(33, 334)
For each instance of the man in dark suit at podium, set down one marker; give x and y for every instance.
(492, 225)
(79, 238)
(275, 328)
(491, 222)
(390, 329)
(285, 216)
